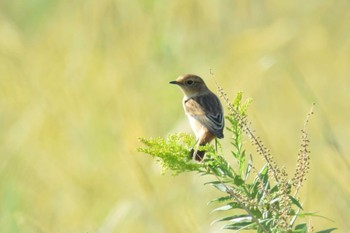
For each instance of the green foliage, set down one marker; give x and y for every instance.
(174, 152)
(253, 199)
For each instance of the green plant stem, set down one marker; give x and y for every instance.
(233, 196)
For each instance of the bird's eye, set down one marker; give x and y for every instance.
(189, 82)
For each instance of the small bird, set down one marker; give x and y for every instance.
(203, 109)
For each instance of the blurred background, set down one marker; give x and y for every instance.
(81, 81)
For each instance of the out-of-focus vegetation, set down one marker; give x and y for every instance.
(80, 81)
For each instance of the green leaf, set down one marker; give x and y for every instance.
(327, 231)
(229, 206)
(256, 213)
(313, 215)
(274, 189)
(220, 199)
(235, 218)
(242, 163)
(248, 169)
(261, 196)
(238, 181)
(264, 176)
(238, 99)
(245, 106)
(221, 187)
(295, 201)
(213, 182)
(254, 189)
(301, 228)
(217, 171)
(220, 167)
(241, 226)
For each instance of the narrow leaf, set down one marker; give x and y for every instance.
(241, 226)
(295, 202)
(229, 206)
(301, 228)
(234, 218)
(242, 163)
(314, 215)
(249, 168)
(220, 199)
(327, 231)
(221, 187)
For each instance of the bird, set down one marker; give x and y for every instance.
(203, 109)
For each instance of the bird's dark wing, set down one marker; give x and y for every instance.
(208, 111)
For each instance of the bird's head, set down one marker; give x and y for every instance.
(191, 84)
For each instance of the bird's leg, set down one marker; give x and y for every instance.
(195, 155)
(196, 150)
(194, 145)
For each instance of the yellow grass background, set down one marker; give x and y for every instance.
(80, 81)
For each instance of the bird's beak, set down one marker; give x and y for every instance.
(174, 82)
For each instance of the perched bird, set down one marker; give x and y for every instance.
(203, 109)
